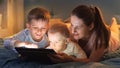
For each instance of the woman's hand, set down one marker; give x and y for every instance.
(60, 58)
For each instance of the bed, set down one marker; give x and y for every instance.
(8, 59)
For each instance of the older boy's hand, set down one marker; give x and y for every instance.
(25, 44)
(31, 46)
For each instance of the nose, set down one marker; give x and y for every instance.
(52, 44)
(39, 30)
(73, 30)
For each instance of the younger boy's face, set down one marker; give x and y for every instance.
(37, 29)
(57, 41)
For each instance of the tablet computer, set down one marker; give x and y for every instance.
(35, 54)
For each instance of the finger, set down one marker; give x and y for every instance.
(54, 56)
(62, 54)
(54, 59)
(57, 58)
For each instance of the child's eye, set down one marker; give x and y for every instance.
(56, 42)
(43, 28)
(35, 28)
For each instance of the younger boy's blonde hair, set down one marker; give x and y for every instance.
(60, 28)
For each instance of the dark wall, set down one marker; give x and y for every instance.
(62, 8)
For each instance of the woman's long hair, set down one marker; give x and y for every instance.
(100, 33)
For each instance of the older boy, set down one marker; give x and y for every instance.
(34, 36)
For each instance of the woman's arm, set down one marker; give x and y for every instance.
(95, 56)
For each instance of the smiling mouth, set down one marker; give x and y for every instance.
(38, 35)
(75, 34)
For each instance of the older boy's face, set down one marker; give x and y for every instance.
(57, 41)
(37, 29)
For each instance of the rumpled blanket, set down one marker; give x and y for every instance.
(9, 59)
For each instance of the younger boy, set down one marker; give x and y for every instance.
(34, 36)
(60, 42)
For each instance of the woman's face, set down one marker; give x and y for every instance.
(78, 28)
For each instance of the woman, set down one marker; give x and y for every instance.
(90, 31)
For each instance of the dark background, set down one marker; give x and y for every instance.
(62, 8)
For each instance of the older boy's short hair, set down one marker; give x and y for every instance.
(60, 28)
(38, 13)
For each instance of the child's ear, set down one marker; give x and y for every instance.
(67, 40)
(27, 25)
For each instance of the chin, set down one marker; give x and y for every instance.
(38, 39)
(76, 37)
